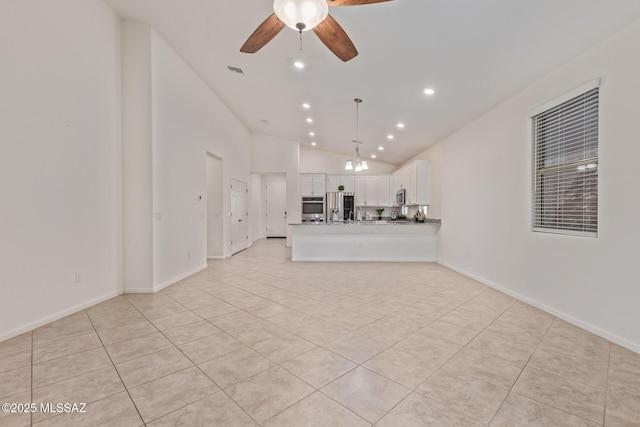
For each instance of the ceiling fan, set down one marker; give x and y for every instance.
(304, 15)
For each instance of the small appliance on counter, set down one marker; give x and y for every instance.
(394, 214)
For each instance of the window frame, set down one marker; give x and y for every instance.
(538, 170)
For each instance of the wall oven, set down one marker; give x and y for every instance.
(313, 208)
(401, 196)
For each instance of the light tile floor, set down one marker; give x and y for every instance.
(258, 340)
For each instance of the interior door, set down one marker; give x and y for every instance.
(275, 201)
(239, 226)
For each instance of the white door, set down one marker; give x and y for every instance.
(239, 226)
(275, 205)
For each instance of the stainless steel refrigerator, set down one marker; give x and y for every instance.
(341, 206)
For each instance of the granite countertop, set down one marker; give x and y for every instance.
(376, 222)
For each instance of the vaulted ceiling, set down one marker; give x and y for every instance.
(472, 53)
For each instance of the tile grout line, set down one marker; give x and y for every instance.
(606, 390)
(220, 389)
(521, 371)
(31, 388)
(116, 369)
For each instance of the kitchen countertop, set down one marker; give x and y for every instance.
(373, 222)
(378, 241)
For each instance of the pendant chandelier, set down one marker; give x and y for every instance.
(356, 163)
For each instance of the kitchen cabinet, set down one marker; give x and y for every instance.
(414, 178)
(313, 184)
(334, 181)
(384, 190)
(373, 190)
(361, 190)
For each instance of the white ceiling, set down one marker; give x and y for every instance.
(474, 53)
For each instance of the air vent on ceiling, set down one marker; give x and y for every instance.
(236, 70)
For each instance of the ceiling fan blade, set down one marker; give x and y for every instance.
(335, 38)
(352, 2)
(263, 34)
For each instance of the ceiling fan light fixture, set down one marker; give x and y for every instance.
(301, 15)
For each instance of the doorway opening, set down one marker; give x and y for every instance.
(275, 205)
(239, 216)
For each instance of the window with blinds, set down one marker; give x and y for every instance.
(566, 167)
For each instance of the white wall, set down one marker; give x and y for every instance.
(257, 224)
(319, 161)
(60, 159)
(215, 216)
(485, 177)
(189, 120)
(137, 149)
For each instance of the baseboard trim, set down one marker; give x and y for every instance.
(329, 259)
(165, 284)
(59, 315)
(216, 257)
(559, 314)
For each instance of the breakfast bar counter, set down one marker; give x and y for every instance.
(378, 241)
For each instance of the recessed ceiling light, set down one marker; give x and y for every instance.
(312, 134)
(306, 106)
(309, 120)
(429, 91)
(381, 148)
(299, 65)
(390, 136)
(373, 156)
(313, 143)
(400, 125)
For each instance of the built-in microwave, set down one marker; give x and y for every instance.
(401, 196)
(313, 207)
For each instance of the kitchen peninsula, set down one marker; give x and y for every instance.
(380, 241)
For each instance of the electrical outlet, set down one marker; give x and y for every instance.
(78, 276)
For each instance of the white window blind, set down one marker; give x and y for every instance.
(566, 167)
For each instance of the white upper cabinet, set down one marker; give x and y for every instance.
(384, 190)
(373, 190)
(361, 190)
(313, 184)
(414, 178)
(347, 181)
